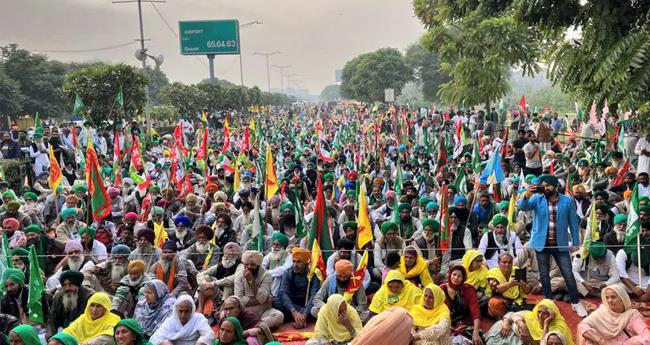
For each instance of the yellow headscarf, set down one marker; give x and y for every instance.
(558, 324)
(514, 293)
(478, 278)
(423, 317)
(328, 325)
(85, 328)
(384, 299)
(420, 269)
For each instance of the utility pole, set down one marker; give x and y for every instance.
(241, 64)
(144, 61)
(282, 68)
(268, 73)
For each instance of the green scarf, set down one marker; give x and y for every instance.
(239, 333)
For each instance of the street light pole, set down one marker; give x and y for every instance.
(241, 64)
(281, 68)
(268, 73)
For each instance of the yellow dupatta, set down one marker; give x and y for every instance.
(558, 324)
(421, 268)
(423, 317)
(513, 293)
(84, 328)
(408, 297)
(478, 278)
(328, 325)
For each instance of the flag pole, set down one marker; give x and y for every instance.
(638, 256)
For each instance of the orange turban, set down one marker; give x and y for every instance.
(139, 264)
(579, 188)
(343, 267)
(303, 254)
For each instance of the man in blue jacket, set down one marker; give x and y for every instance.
(553, 214)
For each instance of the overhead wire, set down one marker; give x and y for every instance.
(116, 46)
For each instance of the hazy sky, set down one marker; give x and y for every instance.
(316, 37)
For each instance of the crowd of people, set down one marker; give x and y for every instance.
(212, 234)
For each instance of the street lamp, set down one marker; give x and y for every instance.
(281, 68)
(241, 65)
(268, 74)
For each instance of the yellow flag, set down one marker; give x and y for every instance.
(511, 210)
(364, 232)
(272, 185)
(356, 281)
(55, 172)
(161, 234)
(236, 181)
(252, 125)
(204, 118)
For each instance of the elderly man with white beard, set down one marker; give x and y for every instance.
(106, 276)
(74, 260)
(181, 234)
(202, 253)
(171, 270)
(498, 241)
(244, 219)
(70, 226)
(145, 250)
(615, 239)
(130, 290)
(69, 302)
(222, 276)
(278, 260)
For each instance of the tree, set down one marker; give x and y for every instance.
(188, 99)
(331, 93)
(99, 86)
(39, 80)
(164, 112)
(366, 76)
(477, 42)
(11, 98)
(426, 70)
(157, 80)
(213, 94)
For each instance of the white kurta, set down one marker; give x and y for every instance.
(644, 161)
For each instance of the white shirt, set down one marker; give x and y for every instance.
(644, 161)
(494, 260)
(631, 273)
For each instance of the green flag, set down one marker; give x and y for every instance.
(476, 157)
(461, 182)
(78, 105)
(37, 124)
(299, 213)
(119, 98)
(319, 231)
(36, 289)
(633, 223)
(258, 227)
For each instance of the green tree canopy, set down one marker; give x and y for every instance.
(366, 76)
(11, 98)
(426, 70)
(187, 99)
(157, 80)
(331, 93)
(98, 87)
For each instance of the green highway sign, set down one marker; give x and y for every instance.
(204, 37)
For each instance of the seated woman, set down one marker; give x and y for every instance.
(62, 339)
(396, 292)
(614, 322)
(463, 305)
(95, 325)
(184, 326)
(230, 332)
(554, 338)
(156, 305)
(23, 335)
(129, 332)
(527, 327)
(431, 318)
(476, 273)
(390, 327)
(337, 323)
(504, 293)
(414, 268)
(255, 330)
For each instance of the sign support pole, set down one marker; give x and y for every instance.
(211, 66)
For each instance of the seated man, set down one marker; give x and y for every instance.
(131, 289)
(222, 276)
(414, 268)
(461, 240)
(106, 276)
(615, 239)
(429, 243)
(596, 271)
(93, 248)
(388, 242)
(14, 302)
(628, 267)
(95, 325)
(409, 226)
(70, 226)
(48, 250)
(74, 260)
(296, 292)
(145, 250)
(70, 301)
(15, 237)
(503, 291)
(253, 287)
(498, 241)
(337, 283)
(202, 253)
(171, 271)
(277, 261)
(345, 250)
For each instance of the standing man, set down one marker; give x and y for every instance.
(642, 149)
(554, 215)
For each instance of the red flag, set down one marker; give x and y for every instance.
(100, 201)
(523, 105)
(117, 158)
(74, 137)
(226, 137)
(136, 159)
(551, 170)
(620, 177)
(178, 138)
(442, 155)
(246, 144)
(202, 152)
